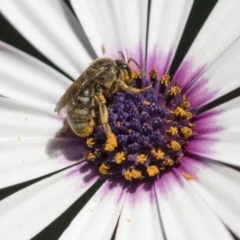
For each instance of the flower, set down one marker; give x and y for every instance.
(197, 199)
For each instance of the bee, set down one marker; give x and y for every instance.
(104, 75)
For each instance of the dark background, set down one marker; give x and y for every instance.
(200, 11)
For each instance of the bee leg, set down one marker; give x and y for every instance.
(123, 86)
(114, 87)
(111, 142)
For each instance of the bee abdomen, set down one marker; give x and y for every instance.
(81, 121)
(84, 129)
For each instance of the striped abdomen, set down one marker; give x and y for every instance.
(81, 117)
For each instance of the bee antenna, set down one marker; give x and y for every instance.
(131, 59)
(122, 55)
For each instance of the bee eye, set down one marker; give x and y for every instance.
(125, 66)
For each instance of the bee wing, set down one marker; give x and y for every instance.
(70, 97)
(68, 100)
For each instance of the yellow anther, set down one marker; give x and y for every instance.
(191, 125)
(104, 169)
(136, 174)
(153, 74)
(169, 162)
(132, 174)
(146, 102)
(158, 154)
(187, 132)
(111, 142)
(185, 104)
(174, 90)
(188, 115)
(152, 171)
(165, 80)
(120, 157)
(90, 156)
(128, 175)
(172, 131)
(119, 123)
(90, 142)
(141, 158)
(175, 146)
(180, 112)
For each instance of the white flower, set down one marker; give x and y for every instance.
(198, 200)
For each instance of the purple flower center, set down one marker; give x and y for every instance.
(152, 129)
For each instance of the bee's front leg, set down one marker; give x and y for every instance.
(123, 86)
(103, 114)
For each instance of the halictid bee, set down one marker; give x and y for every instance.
(104, 75)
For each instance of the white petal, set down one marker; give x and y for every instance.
(23, 160)
(219, 186)
(167, 22)
(133, 26)
(116, 26)
(140, 218)
(184, 214)
(101, 24)
(28, 211)
(219, 147)
(220, 78)
(23, 122)
(219, 31)
(220, 119)
(52, 29)
(218, 133)
(98, 218)
(28, 80)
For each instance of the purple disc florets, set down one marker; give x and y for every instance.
(152, 129)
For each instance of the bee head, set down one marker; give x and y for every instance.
(125, 70)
